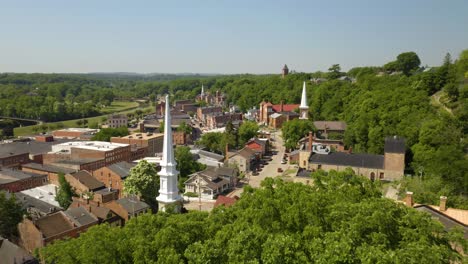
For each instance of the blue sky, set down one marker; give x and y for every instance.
(218, 36)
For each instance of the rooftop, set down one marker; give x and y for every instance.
(31, 147)
(31, 202)
(226, 201)
(7, 175)
(144, 136)
(54, 224)
(47, 168)
(11, 253)
(351, 160)
(45, 193)
(122, 168)
(79, 129)
(330, 125)
(395, 145)
(92, 145)
(80, 216)
(286, 107)
(131, 204)
(87, 180)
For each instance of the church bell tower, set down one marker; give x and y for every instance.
(304, 108)
(168, 176)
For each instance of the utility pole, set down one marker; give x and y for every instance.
(199, 192)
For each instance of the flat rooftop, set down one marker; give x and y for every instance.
(45, 193)
(79, 129)
(7, 175)
(92, 145)
(144, 136)
(32, 147)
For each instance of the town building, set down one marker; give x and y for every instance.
(63, 161)
(326, 128)
(83, 183)
(75, 133)
(113, 176)
(98, 150)
(168, 176)
(244, 160)
(202, 113)
(152, 142)
(217, 120)
(128, 207)
(389, 166)
(208, 158)
(116, 121)
(46, 194)
(258, 144)
(211, 182)
(225, 201)
(60, 225)
(12, 254)
(267, 109)
(98, 209)
(15, 181)
(34, 205)
(51, 171)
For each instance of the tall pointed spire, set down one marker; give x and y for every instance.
(202, 91)
(168, 176)
(304, 108)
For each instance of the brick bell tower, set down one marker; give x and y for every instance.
(285, 71)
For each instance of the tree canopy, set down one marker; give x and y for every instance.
(11, 214)
(144, 182)
(105, 134)
(294, 130)
(65, 192)
(342, 218)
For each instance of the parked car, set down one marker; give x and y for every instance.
(255, 173)
(284, 162)
(280, 170)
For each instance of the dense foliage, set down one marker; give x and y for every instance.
(105, 134)
(342, 219)
(65, 192)
(11, 214)
(294, 130)
(186, 164)
(143, 181)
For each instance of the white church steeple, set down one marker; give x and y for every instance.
(202, 91)
(168, 190)
(304, 108)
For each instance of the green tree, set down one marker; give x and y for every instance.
(143, 181)
(65, 192)
(334, 72)
(247, 130)
(294, 130)
(105, 134)
(183, 127)
(186, 164)
(11, 213)
(408, 62)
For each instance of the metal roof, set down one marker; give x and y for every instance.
(350, 160)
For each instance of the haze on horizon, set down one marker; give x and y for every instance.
(224, 36)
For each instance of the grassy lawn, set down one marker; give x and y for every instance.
(116, 107)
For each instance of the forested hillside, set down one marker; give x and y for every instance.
(341, 219)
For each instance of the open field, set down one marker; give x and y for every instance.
(122, 107)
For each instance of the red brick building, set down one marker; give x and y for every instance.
(113, 176)
(49, 170)
(16, 181)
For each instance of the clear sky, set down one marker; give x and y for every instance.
(220, 36)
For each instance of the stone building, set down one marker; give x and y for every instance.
(116, 121)
(389, 166)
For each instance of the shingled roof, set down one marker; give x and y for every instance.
(121, 168)
(88, 180)
(395, 145)
(350, 160)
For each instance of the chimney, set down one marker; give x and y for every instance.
(443, 204)
(311, 141)
(409, 199)
(281, 106)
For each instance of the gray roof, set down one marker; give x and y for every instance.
(11, 253)
(80, 216)
(31, 147)
(122, 168)
(87, 180)
(351, 160)
(47, 168)
(8, 175)
(207, 154)
(131, 204)
(31, 202)
(395, 145)
(330, 125)
(304, 173)
(446, 220)
(76, 161)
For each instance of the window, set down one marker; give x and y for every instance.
(319, 167)
(381, 175)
